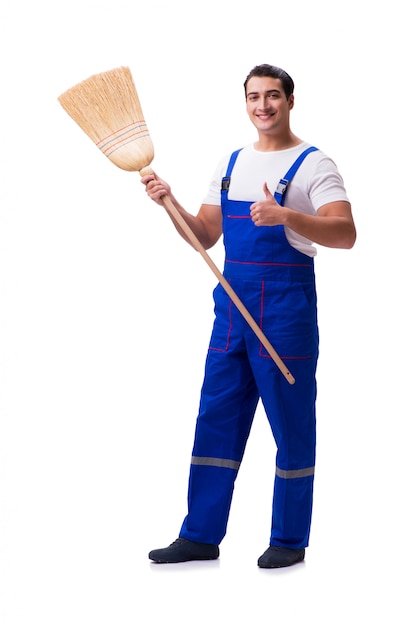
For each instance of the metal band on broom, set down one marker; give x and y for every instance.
(107, 108)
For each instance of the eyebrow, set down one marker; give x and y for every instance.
(270, 91)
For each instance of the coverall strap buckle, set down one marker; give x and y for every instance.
(225, 183)
(282, 185)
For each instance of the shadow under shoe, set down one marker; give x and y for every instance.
(182, 550)
(276, 556)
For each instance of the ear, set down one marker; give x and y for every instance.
(291, 101)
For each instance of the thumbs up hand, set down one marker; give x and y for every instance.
(267, 212)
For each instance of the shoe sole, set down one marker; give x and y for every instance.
(279, 566)
(196, 558)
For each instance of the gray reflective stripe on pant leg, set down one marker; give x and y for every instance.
(308, 471)
(209, 460)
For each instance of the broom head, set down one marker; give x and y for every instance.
(106, 107)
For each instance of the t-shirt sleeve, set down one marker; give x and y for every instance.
(213, 195)
(326, 184)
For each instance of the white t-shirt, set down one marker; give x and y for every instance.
(316, 182)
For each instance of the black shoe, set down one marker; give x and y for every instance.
(275, 556)
(182, 550)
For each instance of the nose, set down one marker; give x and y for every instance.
(264, 102)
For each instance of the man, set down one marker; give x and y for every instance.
(271, 201)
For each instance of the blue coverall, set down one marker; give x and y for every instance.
(276, 283)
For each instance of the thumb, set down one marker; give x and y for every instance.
(267, 192)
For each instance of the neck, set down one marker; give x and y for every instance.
(272, 143)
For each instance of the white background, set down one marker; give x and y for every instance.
(105, 315)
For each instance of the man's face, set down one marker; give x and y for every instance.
(267, 105)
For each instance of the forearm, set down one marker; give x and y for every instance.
(332, 231)
(192, 222)
(160, 192)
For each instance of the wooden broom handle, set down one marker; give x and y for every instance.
(235, 299)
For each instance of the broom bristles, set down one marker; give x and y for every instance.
(107, 108)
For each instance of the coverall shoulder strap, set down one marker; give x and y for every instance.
(284, 182)
(227, 178)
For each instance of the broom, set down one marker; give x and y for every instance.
(107, 108)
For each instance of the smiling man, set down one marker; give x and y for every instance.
(272, 201)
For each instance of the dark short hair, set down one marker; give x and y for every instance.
(274, 72)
